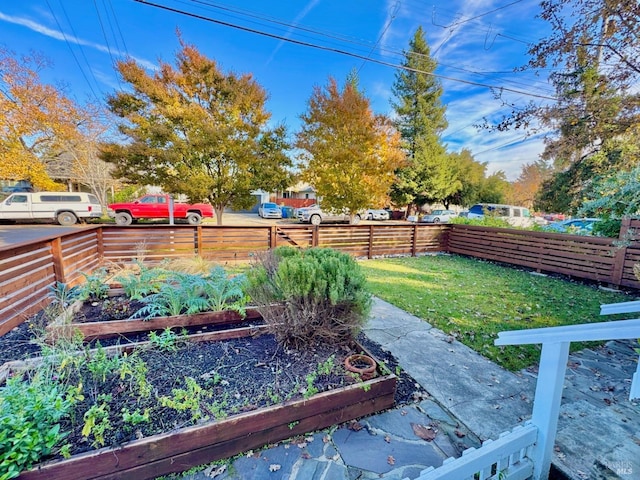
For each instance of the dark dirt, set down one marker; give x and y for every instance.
(240, 375)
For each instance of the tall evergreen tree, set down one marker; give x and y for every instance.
(420, 121)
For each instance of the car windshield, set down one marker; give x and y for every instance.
(269, 205)
(437, 212)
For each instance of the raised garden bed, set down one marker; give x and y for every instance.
(187, 447)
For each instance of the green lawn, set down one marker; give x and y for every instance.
(473, 300)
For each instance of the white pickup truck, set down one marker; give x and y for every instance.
(66, 208)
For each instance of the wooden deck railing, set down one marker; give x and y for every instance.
(28, 269)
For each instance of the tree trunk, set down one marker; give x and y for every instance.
(218, 211)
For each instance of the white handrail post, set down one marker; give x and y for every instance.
(546, 404)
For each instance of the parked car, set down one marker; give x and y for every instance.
(578, 226)
(513, 214)
(315, 216)
(269, 210)
(377, 214)
(66, 208)
(439, 216)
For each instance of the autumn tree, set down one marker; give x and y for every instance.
(420, 119)
(196, 130)
(528, 184)
(36, 120)
(348, 154)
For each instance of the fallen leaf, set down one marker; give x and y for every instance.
(387, 438)
(460, 434)
(274, 467)
(214, 470)
(306, 455)
(425, 433)
(355, 426)
(391, 460)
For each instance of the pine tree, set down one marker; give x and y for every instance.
(421, 121)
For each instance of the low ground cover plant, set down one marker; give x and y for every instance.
(473, 300)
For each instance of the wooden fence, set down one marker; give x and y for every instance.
(28, 270)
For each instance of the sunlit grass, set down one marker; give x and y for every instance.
(474, 300)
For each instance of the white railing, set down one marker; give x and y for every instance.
(525, 453)
(553, 364)
(506, 458)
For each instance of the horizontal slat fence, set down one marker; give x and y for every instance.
(27, 270)
(586, 257)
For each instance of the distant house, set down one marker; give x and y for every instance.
(299, 195)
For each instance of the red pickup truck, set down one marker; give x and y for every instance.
(157, 206)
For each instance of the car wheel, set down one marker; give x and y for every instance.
(66, 219)
(369, 217)
(436, 220)
(315, 220)
(194, 218)
(123, 219)
(356, 219)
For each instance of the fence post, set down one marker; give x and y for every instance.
(546, 404)
(198, 240)
(621, 253)
(370, 250)
(272, 237)
(315, 235)
(58, 265)
(414, 240)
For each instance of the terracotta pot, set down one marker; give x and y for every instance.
(361, 364)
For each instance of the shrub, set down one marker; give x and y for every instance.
(309, 296)
(30, 414)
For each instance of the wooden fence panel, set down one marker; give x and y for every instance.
(26, 272)
(585, 257)
(80, 254)
(294, 235)
(151, 243)
(230, 244)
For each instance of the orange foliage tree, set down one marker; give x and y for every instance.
(35, 120)
(348, 154)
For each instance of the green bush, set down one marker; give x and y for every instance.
(309, 296)
(30, 413)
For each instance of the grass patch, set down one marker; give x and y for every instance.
(473, 300)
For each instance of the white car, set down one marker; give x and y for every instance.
(377, 214)
(315, 216)
(439, 216)
(269, 210)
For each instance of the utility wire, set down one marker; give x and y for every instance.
(337, 50)
(73, 54)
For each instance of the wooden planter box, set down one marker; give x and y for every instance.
(184, 448)
(113, 328)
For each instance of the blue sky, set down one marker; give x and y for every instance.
(475, 42)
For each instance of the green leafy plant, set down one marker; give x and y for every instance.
(191, 398)
(30, 415)
(167, 340)
(62, 296)
(136, 417)
(96, 420)
(181, 295)
(146, 281)
(309, 296)
(223, 292)
(94, 287)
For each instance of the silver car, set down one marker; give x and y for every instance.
(315, 216)
(269, 210)
(377, 214)
(439, 216)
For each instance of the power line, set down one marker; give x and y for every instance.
(336, 50)
(73, 54)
